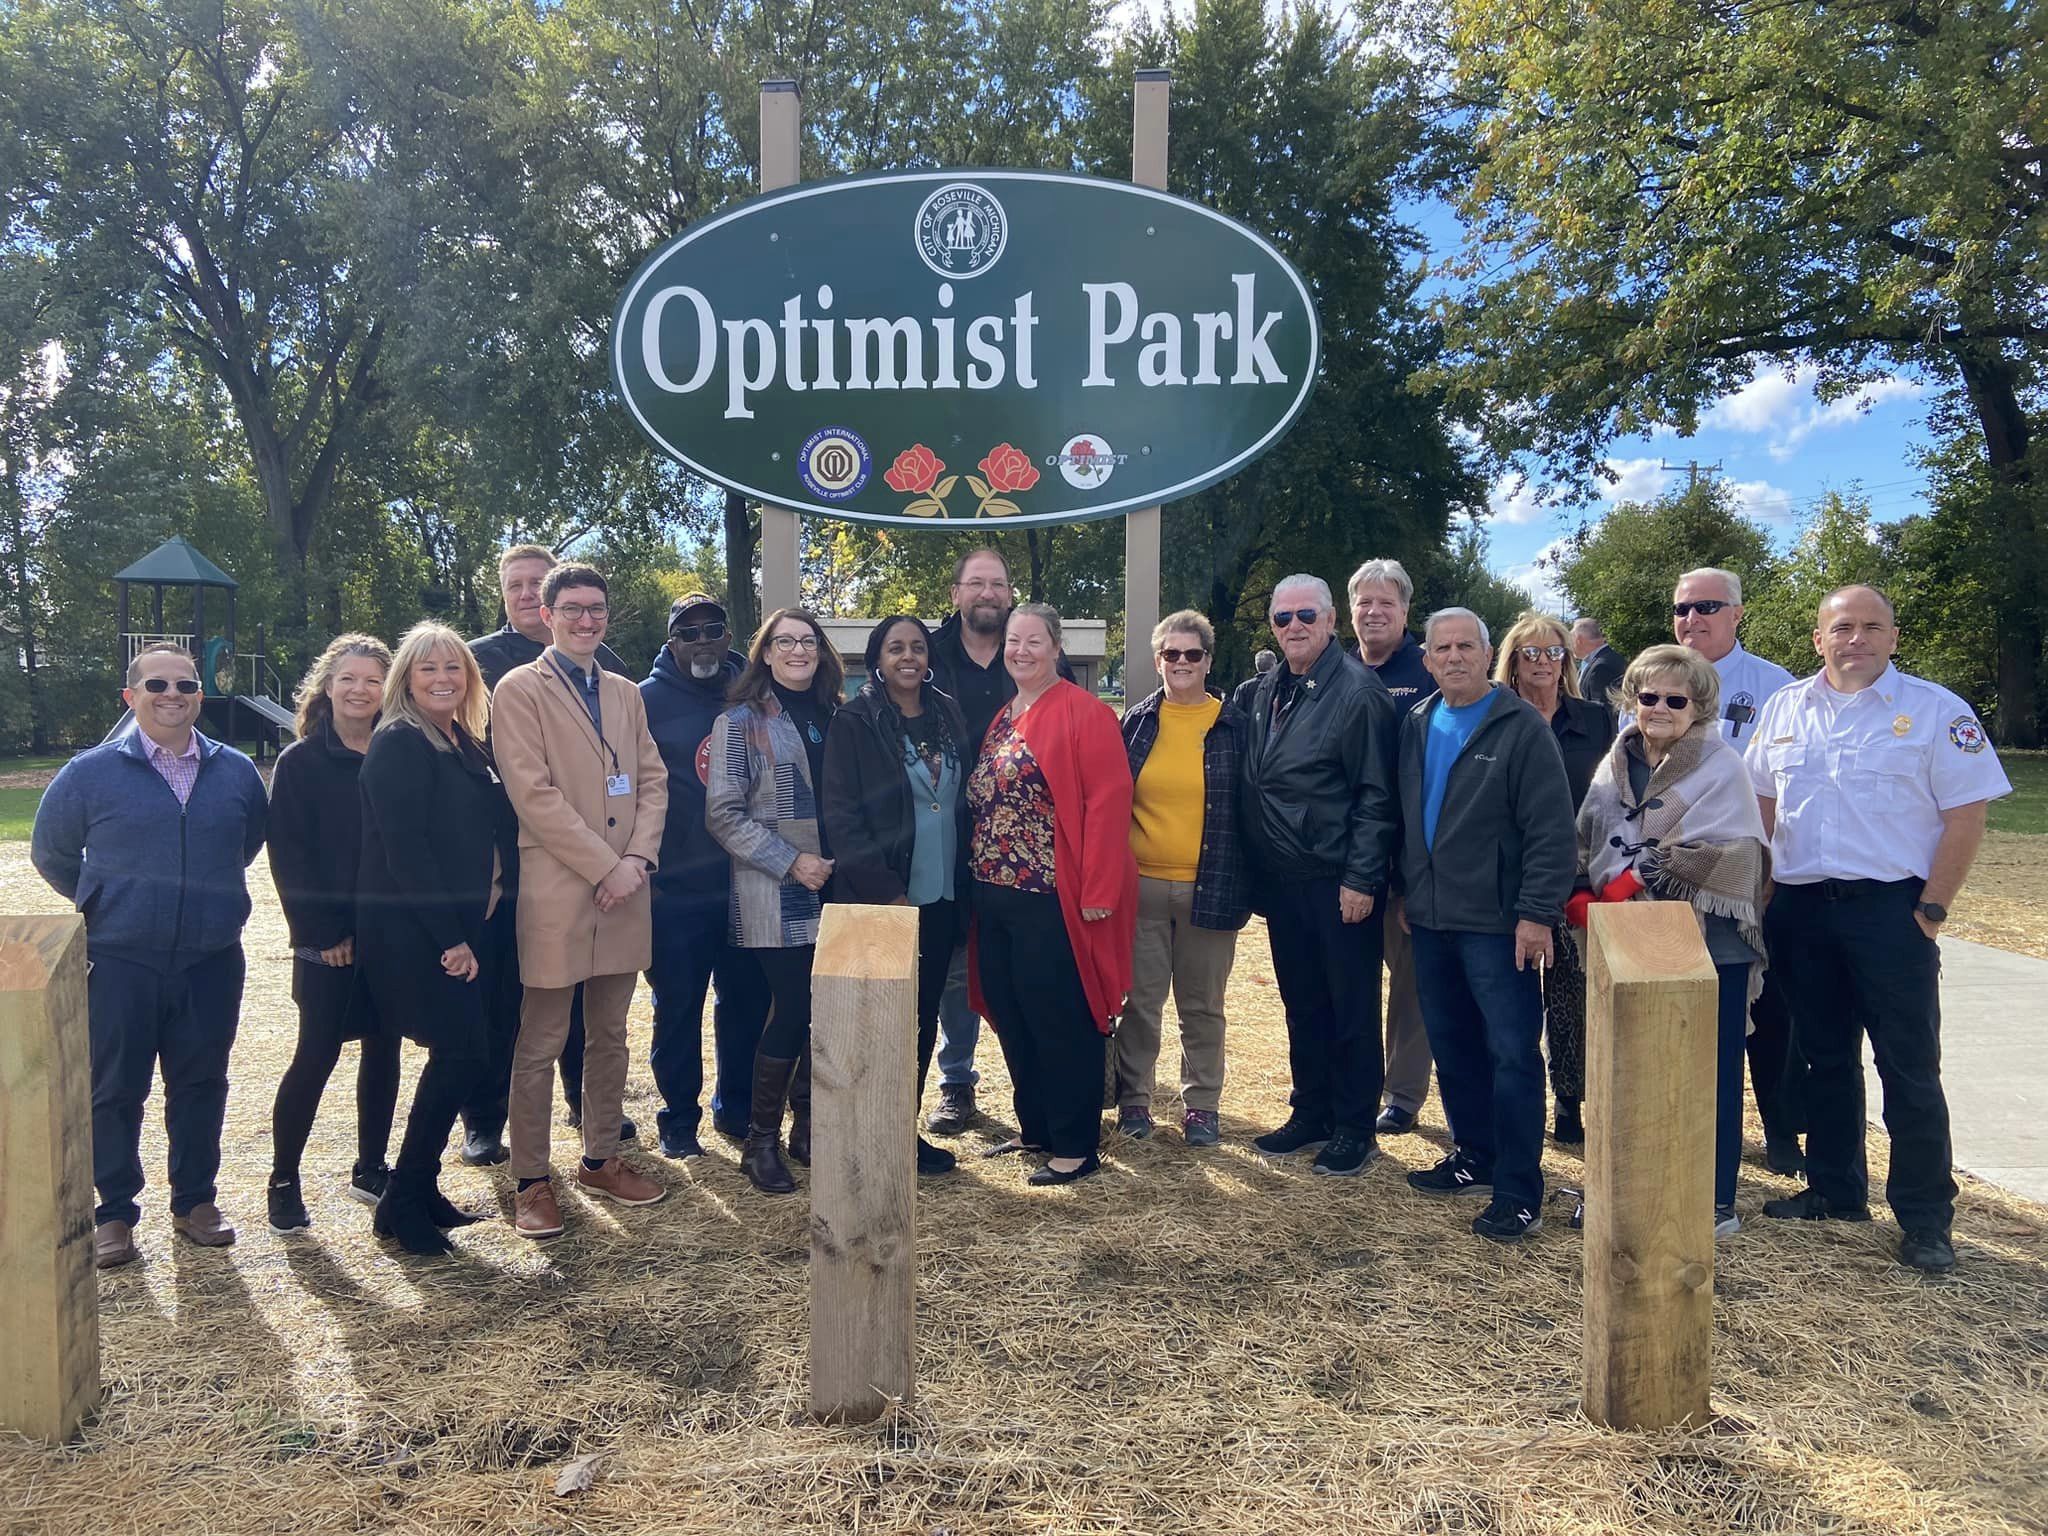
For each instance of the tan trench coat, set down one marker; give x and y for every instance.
(571, 831)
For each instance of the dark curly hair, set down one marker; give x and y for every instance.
(872, 683)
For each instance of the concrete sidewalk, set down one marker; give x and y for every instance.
(1994, 1064)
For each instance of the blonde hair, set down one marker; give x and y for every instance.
(525, 552)
(1702, 682)
(1186, 622)
(1526, 630)
(424, 639)
(314, 708)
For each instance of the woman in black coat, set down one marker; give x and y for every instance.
(895, 806)
(315, 849)
(433, 935)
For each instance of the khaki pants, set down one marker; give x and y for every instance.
(543, 1026)
(1408, 1060)
(1171, 952)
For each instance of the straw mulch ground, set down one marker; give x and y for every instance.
(2005, 902)
(1191, 1342)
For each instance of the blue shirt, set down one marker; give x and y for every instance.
(1449, 729)
(586, 688)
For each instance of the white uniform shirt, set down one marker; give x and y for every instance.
(1861, 779)
(1748, 683)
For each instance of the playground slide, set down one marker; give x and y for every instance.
(266, 709)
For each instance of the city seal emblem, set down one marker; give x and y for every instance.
(961, 230)
(1086, 462)
(833, 464)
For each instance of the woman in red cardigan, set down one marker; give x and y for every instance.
(1055, 895)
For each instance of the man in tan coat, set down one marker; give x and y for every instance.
(591, 792)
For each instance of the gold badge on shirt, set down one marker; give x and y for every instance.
(1902, 724)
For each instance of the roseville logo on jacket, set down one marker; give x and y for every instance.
(1180, 336)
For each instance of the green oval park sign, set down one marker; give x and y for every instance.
(916, 346)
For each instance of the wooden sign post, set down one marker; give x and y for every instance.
(1651, 1019)
(49, 1298)
(863, 1161)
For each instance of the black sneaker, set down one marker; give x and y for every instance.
(932, 1161)
(1812, 1205)
(1134, 1121)
(1929, 1252)
(1566, 1128)
(1455, 1175)
(367, 1184)
(1345, 1155)
(955, 1112)
(1507, 1221)
(481, 1151)
(1394, 1121)
(1782, 1155)
(628, 1131)
(288, 1209)
(1297, 1135)
(680, 1145)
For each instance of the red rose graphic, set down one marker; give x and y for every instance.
(915, 471)
(1008, 469)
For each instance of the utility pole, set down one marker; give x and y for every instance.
(1693, 470)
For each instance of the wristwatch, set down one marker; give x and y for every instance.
(1933, 912)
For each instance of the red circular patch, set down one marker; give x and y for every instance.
(704, 761)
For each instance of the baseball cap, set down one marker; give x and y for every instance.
(683, 606)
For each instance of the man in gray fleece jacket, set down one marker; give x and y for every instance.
(1488, 855)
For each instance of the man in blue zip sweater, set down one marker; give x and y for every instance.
(150, 834)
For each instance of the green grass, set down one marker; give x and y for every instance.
(17, 813)
(2026, 808)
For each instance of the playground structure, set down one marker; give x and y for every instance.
(234, 681)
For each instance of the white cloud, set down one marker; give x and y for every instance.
(1763, 501)
(1634, 480)
(1513, 498)
(1537, 579)
(1761, 405)
(1775, 404)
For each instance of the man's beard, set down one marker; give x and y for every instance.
(704, 668)
(973, 615)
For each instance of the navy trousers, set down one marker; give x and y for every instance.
(183, 1018)
(1485, 1023)
(1328, 973)
(691, 958)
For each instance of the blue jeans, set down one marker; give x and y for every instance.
(1485, 1023)
(959, 1026)
(1729, 1046)
(691, 957)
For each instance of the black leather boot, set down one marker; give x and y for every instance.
(800, 1111)
(403, 1216)
(761, 1157)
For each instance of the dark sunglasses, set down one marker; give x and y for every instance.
(1538, 652)
(686, 632)
(1670, 700)
(165, 685)
(1706, 608)
(1286, 616)
(1167, 653)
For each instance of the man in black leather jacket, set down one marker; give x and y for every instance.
(1320, 815)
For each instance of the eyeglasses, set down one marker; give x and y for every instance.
(165, 685)
(1167, 653)
(986, 584)
(1669, 700)
(1284, 617)
(1539, 652)
(794, 642)
(576, 613)
(1706, 608)
(687, 632)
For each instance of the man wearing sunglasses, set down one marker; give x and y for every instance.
(1319, 816)
(1706, 609)
(150, 834)
(684, 693)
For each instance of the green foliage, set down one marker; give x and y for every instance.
(1461, 578)
(2026, 808)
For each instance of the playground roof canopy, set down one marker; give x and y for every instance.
(176, 563)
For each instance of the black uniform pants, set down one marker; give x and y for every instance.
(1777, 1069)
(1328, 973)
(1852, 961)
(1040, 1011)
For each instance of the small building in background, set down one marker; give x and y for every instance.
(1085, 641)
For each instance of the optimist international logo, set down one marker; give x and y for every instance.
(961, 230)
(833, 463)
(1086, 462)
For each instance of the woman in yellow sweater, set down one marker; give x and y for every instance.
(1185, 745)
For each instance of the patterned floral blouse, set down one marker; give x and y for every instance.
(1012, 805)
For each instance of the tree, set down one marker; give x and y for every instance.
(1664, 197)
(1461, 576)
(1621, 569)
(1836, 548)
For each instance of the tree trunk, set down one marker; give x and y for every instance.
(1989, 380)
(1040, 550)
(742, 537)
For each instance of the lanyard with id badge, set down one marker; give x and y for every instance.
(617, 782)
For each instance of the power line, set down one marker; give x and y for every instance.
(1693, 469)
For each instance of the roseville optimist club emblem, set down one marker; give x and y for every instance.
(1966, 733)
(833, 464)
(1086, 461)
(961, 231)
(704, 762)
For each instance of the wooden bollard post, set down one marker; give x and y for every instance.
(863, 1161)
(49, 1299)
(1651, 1019)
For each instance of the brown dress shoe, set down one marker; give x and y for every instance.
(113, 1244)
(616, 1181)
(534, 1211)
(204, 1225)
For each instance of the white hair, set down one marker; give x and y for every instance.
(1388, 572)
(1727, 579)
(1315, 584)
(1456, 613)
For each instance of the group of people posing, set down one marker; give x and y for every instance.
(481, 847)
